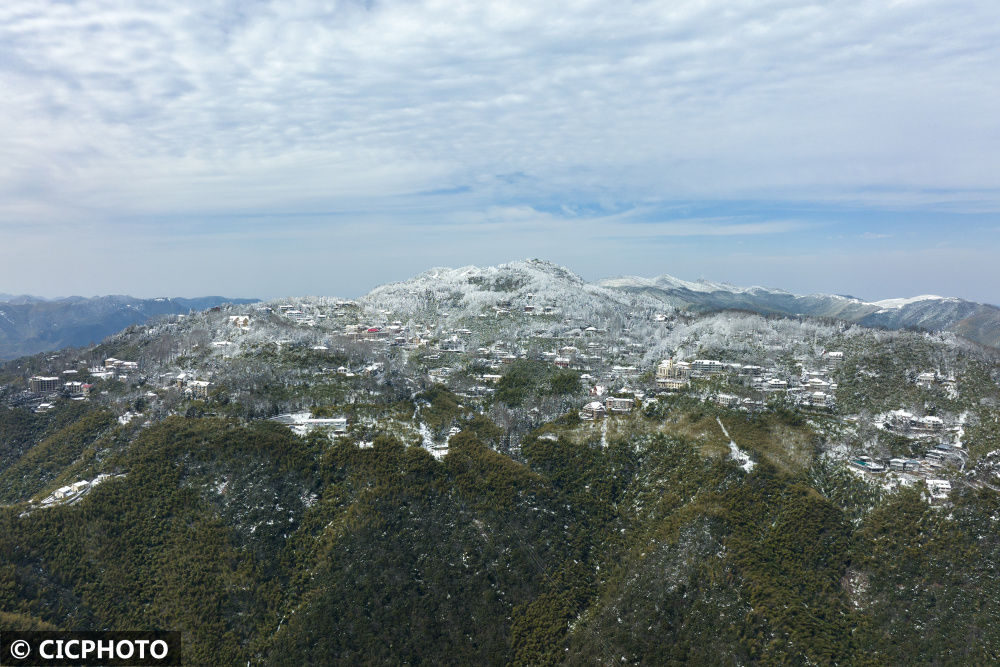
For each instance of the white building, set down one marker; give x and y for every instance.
(303, 423)
(775, 384)
(834, 357)
(619, 405)
(198, 388)
(592, 410)
(726, 400)
(707, 366)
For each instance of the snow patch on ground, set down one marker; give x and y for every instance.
(960, 429)
(741, 457)
(436, 450)
(425, 434)
(737, 454)
(128, 417)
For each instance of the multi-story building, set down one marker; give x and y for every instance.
(707, 366)
(41, 384)
(620, 405)
(593, 410)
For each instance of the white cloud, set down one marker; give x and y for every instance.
(685, 98)
(169, 115)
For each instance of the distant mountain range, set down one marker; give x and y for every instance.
(468, 289)
(976, 321)
(29, 324)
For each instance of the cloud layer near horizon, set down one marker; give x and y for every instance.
(224, 122)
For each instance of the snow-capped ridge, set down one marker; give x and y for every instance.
(700, 285)
(976, 321)
(539, 287)
(899, 303)
(704, 286)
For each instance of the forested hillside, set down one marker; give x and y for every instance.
(491, 477)
(265, 547)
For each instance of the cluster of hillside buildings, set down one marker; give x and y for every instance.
(611, 364)
(906, 472)
(65, 383)
(940, 436)
(72, 492)
(611, 405)
(811, 388)
(186, 383)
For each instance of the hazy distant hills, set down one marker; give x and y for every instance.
(29, 325)
(976, 321)
(23, 298)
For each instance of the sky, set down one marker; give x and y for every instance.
(267, 149)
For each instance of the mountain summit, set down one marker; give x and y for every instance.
(529, 284)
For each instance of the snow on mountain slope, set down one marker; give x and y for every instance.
(516, 286)
(976, 321)
(543, 287)
(670, 282)
(899, 303)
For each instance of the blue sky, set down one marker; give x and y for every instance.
(291, 147)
